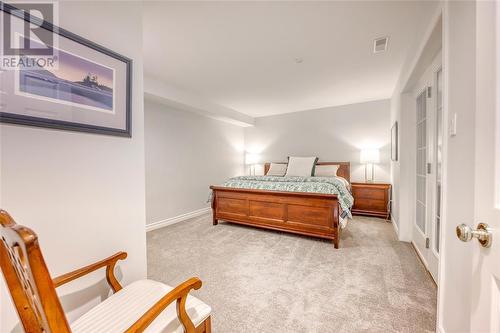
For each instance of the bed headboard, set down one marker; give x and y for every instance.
(344, 170)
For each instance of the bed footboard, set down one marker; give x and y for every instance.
(311, 214)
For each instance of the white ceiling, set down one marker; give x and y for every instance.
(240, 55)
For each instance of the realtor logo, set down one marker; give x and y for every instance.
(26, 41)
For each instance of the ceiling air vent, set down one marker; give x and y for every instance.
(380, 44)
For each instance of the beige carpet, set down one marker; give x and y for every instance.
(265, 281)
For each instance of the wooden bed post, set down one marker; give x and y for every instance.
(336, 226)
(214, 208)
(337, 238)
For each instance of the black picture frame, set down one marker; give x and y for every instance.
(394, 141)
(65, 125)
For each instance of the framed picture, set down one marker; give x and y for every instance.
(74, 84)
(394, 142)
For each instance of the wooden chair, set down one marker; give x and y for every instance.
(141, 306)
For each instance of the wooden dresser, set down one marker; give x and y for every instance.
(372, 199)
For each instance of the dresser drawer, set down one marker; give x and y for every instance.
(370, 204)
(369, 193)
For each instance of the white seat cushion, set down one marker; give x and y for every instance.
(118, 312)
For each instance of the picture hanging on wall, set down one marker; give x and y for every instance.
(394, 142)
(53, 78)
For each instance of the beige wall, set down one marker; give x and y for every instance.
(333, 134)
(185, 154)
(82, 193)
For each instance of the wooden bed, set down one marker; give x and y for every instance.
(311, 214)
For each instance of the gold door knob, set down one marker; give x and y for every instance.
(482, 233)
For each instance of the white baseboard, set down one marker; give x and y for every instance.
(420, 256)
(177, 219)
(395, 225)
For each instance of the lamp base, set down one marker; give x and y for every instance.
(366, 173)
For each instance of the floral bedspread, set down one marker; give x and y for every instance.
(326, 185)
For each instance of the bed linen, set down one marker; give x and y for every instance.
(325, 185)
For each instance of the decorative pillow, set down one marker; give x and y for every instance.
(301, 166)
(326, 170)
(277, 169)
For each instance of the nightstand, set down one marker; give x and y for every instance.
(372, 199)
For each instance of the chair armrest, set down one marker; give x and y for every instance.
(180, 294)
(109, 263)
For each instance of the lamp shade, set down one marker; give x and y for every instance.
(251, 158)
(369, 156)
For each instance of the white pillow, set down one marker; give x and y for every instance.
(276, 169)
(326, 170)
(301, 166)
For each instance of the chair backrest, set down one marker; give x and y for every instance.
(28, 279)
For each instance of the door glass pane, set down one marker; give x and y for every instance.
(421, 161)
(439, 157)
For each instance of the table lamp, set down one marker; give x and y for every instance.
(368, 157)
(251, 160)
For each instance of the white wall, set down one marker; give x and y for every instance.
(403, 111)
(185, 154)
(82, 193)
(332, 134)
(181, 99)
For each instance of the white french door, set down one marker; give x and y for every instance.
(428, 171)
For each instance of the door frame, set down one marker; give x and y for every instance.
(434, 266)
(444, 13)
(465, 24)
